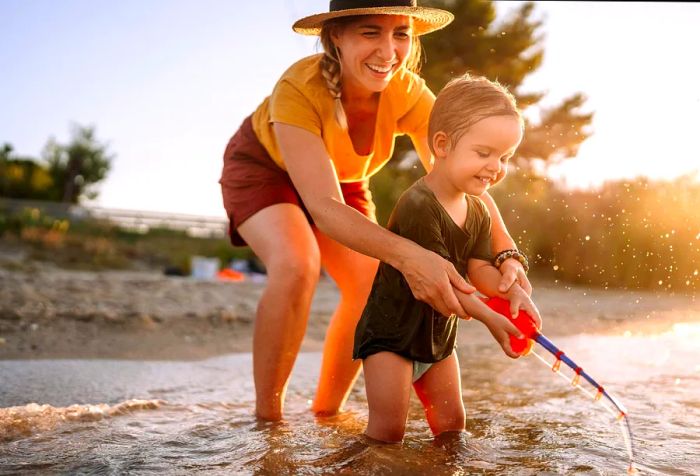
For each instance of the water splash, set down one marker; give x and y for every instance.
(27, 420)
(619, 413)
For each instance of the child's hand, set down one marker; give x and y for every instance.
(519, 299)
(512, 273)
(501, 329)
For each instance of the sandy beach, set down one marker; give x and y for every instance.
(48, 312)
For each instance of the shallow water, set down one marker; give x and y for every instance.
(113, 417)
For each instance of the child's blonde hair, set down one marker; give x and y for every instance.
(466, 100)
(330, 63)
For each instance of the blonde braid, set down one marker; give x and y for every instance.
(330, 69)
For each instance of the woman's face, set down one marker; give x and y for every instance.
(371, 50)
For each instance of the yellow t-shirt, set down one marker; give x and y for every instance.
(301, 98)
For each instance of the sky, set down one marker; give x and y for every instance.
(167, 82)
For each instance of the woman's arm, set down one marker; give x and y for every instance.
(429, 276)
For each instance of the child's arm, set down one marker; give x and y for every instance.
(486, 278)
(513, 271)
(500, 327)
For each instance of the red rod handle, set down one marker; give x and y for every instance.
(523, 322)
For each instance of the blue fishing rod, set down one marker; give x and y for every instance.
(525, 346)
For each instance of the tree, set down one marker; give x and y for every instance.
(79, 165)
(5, 152)
(506, 51)
(23, 177)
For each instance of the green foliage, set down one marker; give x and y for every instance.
(94, 244)
(15, 223)
(67, 173)
(635, 234)
(23, 178)
(389, 183)
(557, 136)
(474, 42)
(78, 165)
(629, 234)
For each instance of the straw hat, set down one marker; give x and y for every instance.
(425, 19)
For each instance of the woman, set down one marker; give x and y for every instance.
(295, 187)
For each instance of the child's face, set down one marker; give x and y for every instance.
(478, 160)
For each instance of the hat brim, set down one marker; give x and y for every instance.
(425, 19)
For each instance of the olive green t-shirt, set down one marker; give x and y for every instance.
(393, 320)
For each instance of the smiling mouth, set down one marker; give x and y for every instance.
(380, 69)
(486, 180)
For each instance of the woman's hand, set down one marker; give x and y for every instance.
(431, 278)
(512, 271)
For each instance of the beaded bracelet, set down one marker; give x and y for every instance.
(505, 254)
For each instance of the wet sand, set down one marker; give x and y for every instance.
(55, 313)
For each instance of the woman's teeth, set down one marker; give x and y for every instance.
(379, 69)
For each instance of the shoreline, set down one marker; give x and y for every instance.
(143, 315)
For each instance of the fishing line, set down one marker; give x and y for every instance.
(524, 346)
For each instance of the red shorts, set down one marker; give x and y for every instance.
(251, 181)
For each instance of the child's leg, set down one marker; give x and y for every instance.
(440, 391)
(388, 387)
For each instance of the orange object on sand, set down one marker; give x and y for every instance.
(228, 274)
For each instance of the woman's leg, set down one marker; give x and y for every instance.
(388, 386)
(440, 391)
(353, 273)
(281, 237)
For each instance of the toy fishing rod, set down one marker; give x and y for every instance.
(525, 346)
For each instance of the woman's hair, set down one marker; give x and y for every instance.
(330, 63)
(466, 100)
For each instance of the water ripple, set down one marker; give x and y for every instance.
(196, 417)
